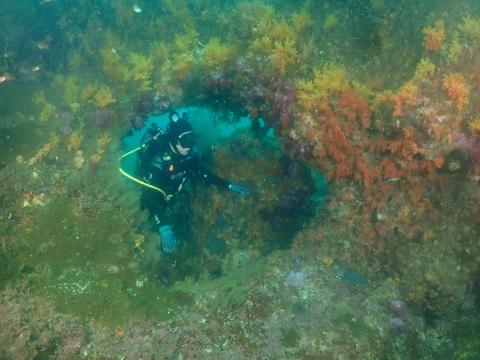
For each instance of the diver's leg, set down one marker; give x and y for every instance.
(158, 208)
(156, 205)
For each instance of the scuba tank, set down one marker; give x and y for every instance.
(154, 131)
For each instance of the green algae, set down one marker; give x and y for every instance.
(290, 337)
(18, 126)
(88, 267)
(228, 291)
(353, 276)
(6, 269)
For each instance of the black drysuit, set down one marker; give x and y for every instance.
(162, 167)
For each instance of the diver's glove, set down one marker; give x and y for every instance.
(167, 238)
(242, 190)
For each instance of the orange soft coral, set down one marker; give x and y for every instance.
(406, 97)
(434, 36)
(457, 89)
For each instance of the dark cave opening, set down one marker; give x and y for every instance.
(213, 225)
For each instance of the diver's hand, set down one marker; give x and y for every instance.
(242, 190)
(167, 238)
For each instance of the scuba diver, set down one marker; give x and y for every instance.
(167, 159)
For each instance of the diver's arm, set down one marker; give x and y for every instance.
(212, 179)
(206, 175)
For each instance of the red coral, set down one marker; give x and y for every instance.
(388, 169)
(353, 107)
(336, 142)
(365, 173)
(405, 146)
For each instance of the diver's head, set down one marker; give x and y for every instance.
(185, 143)
(180, 133)
(173, 116)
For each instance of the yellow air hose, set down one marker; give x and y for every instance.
(138, 181)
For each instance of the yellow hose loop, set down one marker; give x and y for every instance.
(138, 181)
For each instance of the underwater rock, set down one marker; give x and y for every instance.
(470, 145)
(397, 325)
(353, 276)
(398, 307)
(300, 149)
(239, 147)
(291, 168)
(66, 126)
(217, 81)
(102, 117)
(293, 203)
(138, 122)
(296, 279)
(217, 245)
(294, 199)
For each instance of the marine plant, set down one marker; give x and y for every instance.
(406, 98)
(301, 21)
(78, 160)
(45, 150)
(88, 92)
(183, 65)
(474, 125)
(183, 58)
(113, 66)
(140, 70)
(187, 42)
(40, 99)
(284, 56)
(330, 21)
(75, 140)
(425, 69)
(261, 46)
(47, 112)
(103, 97)
(457, 89)
(328, 81)
(159, 53)
(75, 61)
(470, 28)
(247, 16)
(217, 55)
(69, 87)
(103, 142)
(435, 36)
(455, 49)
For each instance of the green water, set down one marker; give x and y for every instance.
(354, 126)
(20, 132)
